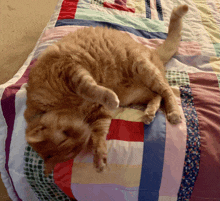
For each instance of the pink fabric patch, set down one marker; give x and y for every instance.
(153, 8)
(189, 48)
(174, 157)
(186, 48)
(206, 99)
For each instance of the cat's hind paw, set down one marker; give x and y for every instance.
(174, 117)
(148, 118)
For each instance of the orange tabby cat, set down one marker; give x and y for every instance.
(78, 81)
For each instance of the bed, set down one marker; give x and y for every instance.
(156, 162)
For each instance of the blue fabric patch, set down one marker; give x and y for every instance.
(148, 11)
(159, 10)
(153, 158)
(141, 33)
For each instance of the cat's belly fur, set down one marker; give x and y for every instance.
(134, 95)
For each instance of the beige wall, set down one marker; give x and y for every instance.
(21, 23)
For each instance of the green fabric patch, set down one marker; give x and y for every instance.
(218, 77)
(217, 49)
(177, 78)
(124, 20)
(44, 187)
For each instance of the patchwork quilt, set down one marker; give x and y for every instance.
(156, 162)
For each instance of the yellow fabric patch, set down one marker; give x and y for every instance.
(124, 175)
(208, 21)
(139, 5)
(215, 63)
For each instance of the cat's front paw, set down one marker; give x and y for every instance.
(110, 100)
(100, 159)
(174, 117)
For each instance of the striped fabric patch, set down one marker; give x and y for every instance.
(154, 9)
(123, 20)
(83, 16)
(44, 187)
(177, 78)
(8, 110)
(192, 157)
(125, 139)
(122, 176)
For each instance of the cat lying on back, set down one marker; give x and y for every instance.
(78, 81)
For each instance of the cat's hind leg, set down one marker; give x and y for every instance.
(155, 81)
(152, 107)
(85, 86)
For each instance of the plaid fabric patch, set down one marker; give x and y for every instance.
(97, 2)
(44, 187)
(177, 78)
(192, 157)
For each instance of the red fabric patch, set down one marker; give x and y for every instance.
(206, 99)
(121, 2)
(62, 177)
(68, 9)
(126, 131)
(118, 7)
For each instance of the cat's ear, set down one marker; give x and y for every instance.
(35, 135)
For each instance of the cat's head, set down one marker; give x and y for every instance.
(58, 137)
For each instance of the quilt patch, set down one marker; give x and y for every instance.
(44, 187)
(177, 78)
(192, 157)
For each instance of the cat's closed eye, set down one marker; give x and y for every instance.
(67, 132)
(49, 156)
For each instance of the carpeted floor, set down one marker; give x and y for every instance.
(21, 23)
